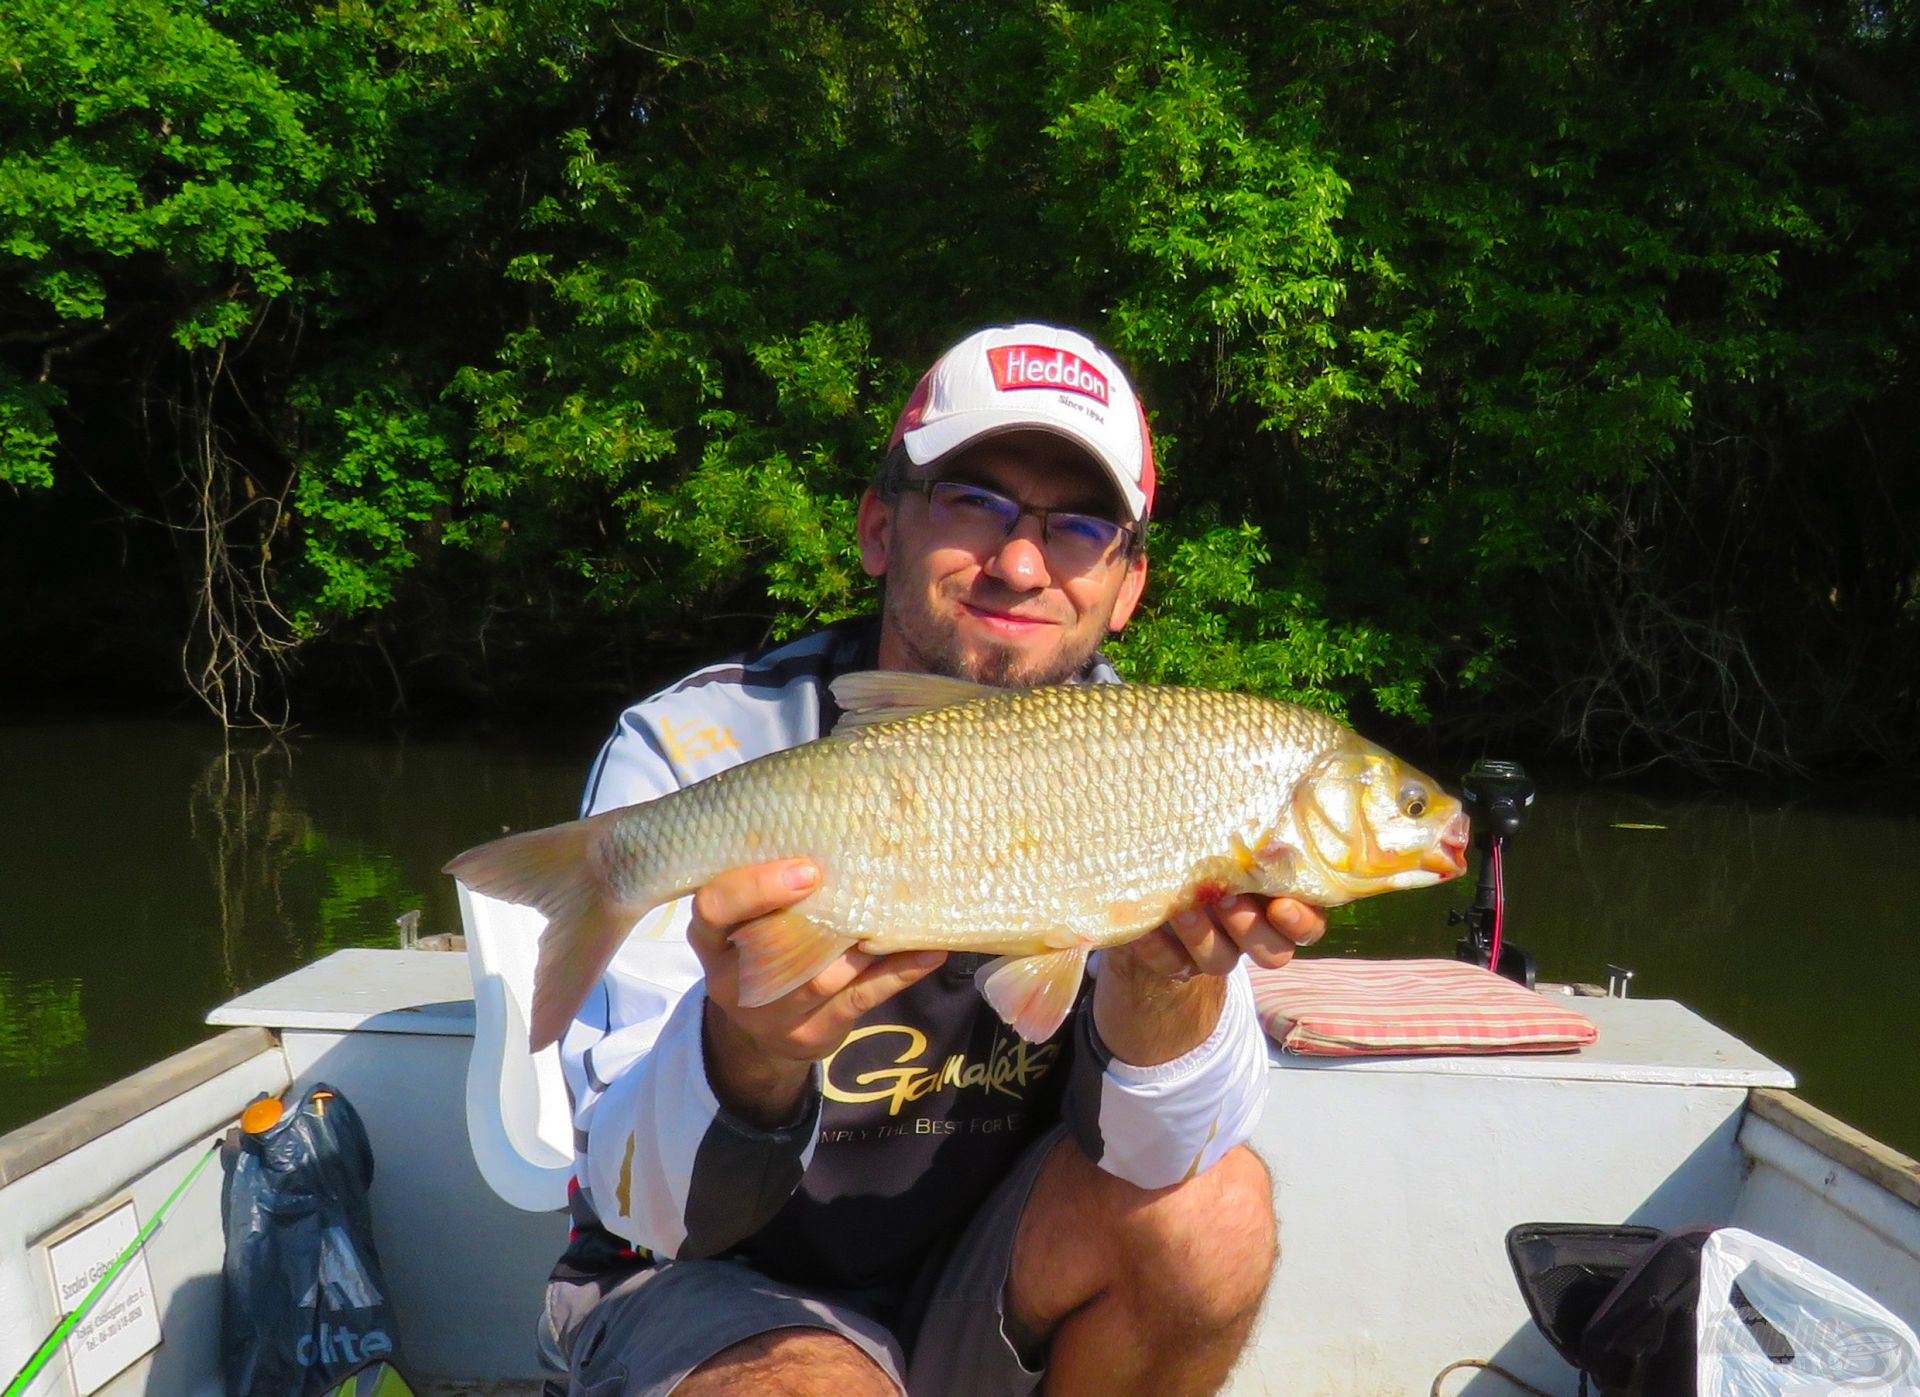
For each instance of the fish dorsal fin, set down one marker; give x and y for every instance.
(872, 696)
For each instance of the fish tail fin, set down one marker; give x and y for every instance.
(781, 952)
(1033, 994)
(573, 955)
(557, 871)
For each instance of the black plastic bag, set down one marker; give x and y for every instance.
(1640, 1341)
(304, 1303)
(1567, 1270)
(1620, 1303)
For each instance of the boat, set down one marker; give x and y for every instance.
(1395, 1180)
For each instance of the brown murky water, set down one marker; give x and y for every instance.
(146, 875)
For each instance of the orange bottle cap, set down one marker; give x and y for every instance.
(262, 1115)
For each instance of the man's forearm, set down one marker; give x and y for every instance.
(1146, 1019)
(763, 1091)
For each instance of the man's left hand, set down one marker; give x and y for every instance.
(1159, 996)
(1211, 940)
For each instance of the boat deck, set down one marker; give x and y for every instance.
(1396, 1180)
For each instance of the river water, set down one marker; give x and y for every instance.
(147, 874)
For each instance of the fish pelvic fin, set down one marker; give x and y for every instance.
(872, 696)
(1033, 994)
(557, 871)
(781, 952)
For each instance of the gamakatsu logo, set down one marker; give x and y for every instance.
(1035, 366)
(1012, 1067)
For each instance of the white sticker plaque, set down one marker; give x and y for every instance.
(124, 1323)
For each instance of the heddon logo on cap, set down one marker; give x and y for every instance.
(1031, 377)
(1036, 366)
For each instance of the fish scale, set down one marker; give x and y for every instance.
(1004, 839)
(1033, 825)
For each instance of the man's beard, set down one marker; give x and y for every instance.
(938, 650)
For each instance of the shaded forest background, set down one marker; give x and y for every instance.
(1543, 373)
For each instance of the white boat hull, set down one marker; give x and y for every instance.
(1395, 1183)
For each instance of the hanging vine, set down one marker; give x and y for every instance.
(239, 644)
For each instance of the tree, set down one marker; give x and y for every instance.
(1533, 371)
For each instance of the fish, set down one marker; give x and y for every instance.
(1034, 825)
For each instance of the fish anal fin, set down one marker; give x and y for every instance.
(1033, 994)
(781, 952)
(872, 696)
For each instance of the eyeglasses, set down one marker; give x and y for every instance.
(983, 519)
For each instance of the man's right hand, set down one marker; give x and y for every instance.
(759, 1059)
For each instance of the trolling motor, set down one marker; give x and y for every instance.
(1496, 794)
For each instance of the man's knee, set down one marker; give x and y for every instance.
(1197, 1253)
(1206, 1247)
(793, 1362)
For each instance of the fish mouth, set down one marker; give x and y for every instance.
(1448, 856)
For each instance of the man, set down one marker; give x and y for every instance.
(870, 1185)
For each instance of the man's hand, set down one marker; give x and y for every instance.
(1211, 940)
(758, 1059)
(1160, 996)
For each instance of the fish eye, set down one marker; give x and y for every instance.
(1413, 801)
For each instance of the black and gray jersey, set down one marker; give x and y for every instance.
(909, 1124)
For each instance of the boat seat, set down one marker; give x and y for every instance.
(518, 1119)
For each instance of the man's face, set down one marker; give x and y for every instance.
(1007, 615)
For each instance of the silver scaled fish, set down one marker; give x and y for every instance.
(1035, 825)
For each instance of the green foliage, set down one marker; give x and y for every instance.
(1544, 362)
(28, 437)
(139, 131)
(1220, 625)
(1228, 206)
(379, 483)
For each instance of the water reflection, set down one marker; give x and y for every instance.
(286, 890)
(41, 1028)
(152, 873)
(244, 849)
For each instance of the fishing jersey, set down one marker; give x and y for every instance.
(909, 1124)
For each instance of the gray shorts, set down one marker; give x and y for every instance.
(645, 1335)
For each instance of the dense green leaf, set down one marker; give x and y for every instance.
(1541, 372)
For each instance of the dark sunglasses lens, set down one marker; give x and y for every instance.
(1081, 539)
(972, 508)
(1077, 542)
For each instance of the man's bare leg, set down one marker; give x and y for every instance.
(789, 1363)
(1149, 1291)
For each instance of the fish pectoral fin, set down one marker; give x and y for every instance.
(781, 952)
(872, 696)
(1268, 850)
(1033, 993)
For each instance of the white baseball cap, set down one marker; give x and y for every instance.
(1033, 377)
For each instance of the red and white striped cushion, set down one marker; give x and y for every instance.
(1351, 1008)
